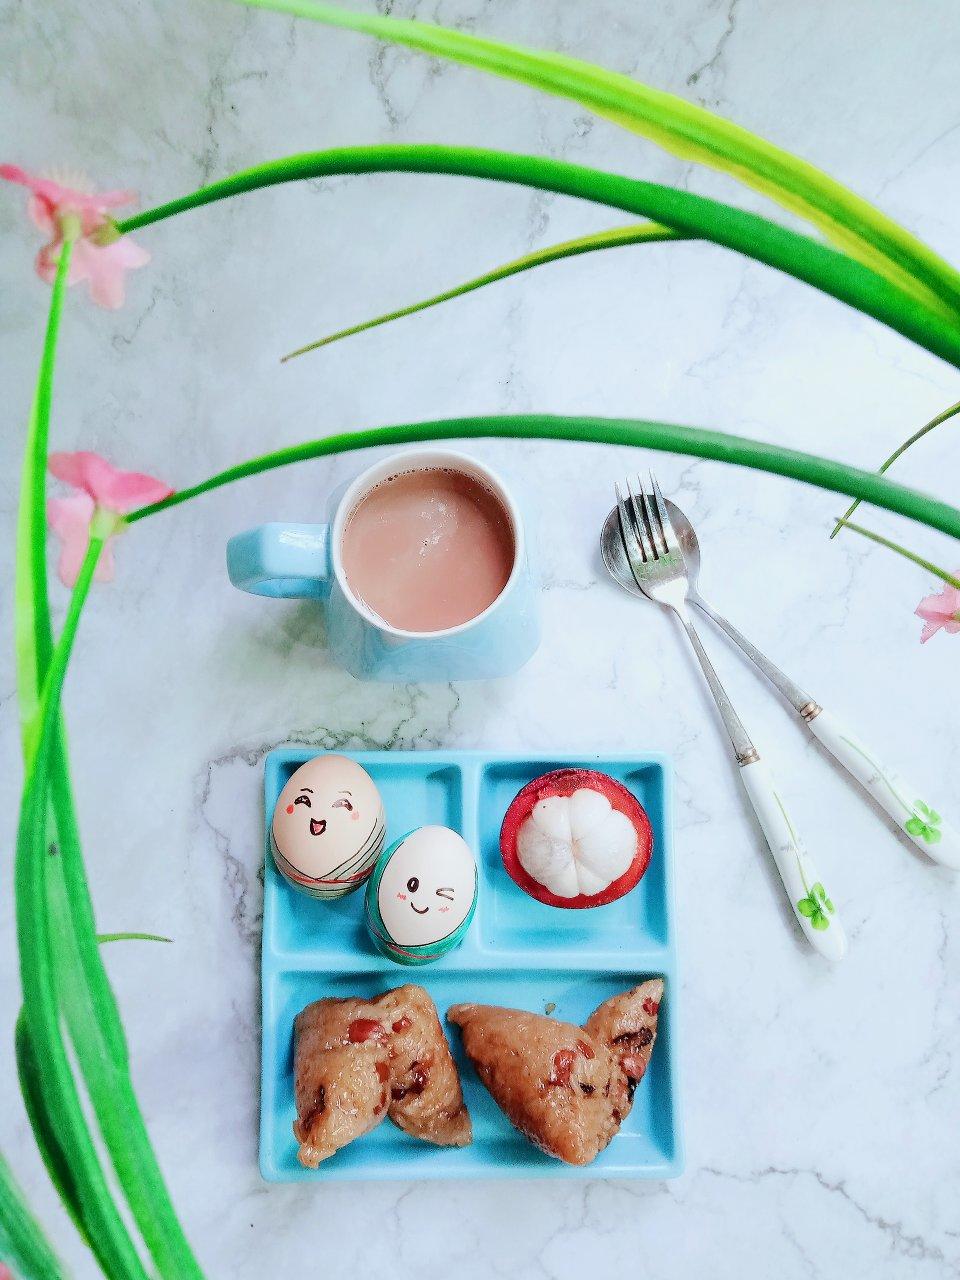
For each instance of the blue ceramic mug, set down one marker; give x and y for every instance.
(303, 561)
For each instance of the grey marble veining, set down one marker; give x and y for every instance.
(821, 1105)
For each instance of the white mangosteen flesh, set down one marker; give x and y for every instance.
(576, 844)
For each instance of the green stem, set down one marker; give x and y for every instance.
(800, 256)
(644, 233)
(32, 607)
(131, 937)
(107, 1233)
(942, 574)
(898, 453)
(62, 1130)
(669, 437)
(54, 1089)
(93, 1017)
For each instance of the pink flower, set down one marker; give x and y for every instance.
(58, 211)
(940, 610)
(105, 495)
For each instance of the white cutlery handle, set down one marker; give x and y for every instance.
(903, 801)
(811, 904)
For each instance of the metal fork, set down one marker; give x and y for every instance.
(656, 561)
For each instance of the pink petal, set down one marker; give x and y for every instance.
(938, 611)
(103, 266)
(42, 187)
(69, 518)
(76, 469)
(41, 214)
(106, 568)
(110, 199)
(49, 256)
(120, 491)
(13, 173)
(932, 609)
(942, 604)
(57, 195)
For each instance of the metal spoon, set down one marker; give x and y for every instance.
(897, 797)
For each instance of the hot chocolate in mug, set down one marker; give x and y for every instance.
(307, 561)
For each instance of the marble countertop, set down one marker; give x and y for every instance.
(821, 1104)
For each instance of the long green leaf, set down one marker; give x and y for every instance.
(23, 1246)
(44, 1127)
(686, 130)
(643, 233)
(102, 1053)
(71, 949)
(54, 1080)
(799, 256)
(945, 416)
(667, 436)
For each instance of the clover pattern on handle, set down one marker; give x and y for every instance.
(924, 823)
(817, 907)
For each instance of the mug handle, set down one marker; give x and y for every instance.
(283, 561)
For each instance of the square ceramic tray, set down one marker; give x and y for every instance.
(517, 953)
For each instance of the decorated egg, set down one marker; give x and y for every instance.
(422, 895)
(328, 827)
(576, 838)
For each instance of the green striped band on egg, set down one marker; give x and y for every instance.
(341, 880)
(438, 862)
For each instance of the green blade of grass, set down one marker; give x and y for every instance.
(131, 937)
(945, 416)
(890, 545)
(54, 1080)
(797, 255)
(70, 950)
(102, 1052)
(53, 1086)
(824, 473)
(87, 998)
(685, 130)
(52, 1152)
(23, 1246)
(642, 233)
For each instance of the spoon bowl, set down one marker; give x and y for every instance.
(615, 556)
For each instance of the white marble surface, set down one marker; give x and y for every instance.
(821, 1104)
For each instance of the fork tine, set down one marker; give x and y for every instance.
(627, 532)
(648, 522)
(643, 529)
(670, 540)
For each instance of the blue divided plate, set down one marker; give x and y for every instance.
(518, 953)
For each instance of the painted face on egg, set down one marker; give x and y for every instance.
(428, 887)
(328, 821)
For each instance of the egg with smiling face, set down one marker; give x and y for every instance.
(422, 895)
(328, 827)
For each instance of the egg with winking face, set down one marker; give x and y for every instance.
(422, 895)
(328, 827)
